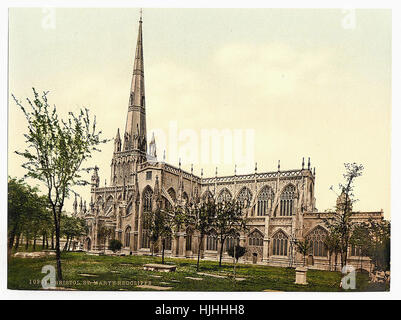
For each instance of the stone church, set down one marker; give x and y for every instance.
(280, 204)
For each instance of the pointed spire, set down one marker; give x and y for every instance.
(308, 163)
(256, 167)
(303, 163)
(136, 121)
(235, 170)
(117, 142)
(278, 167)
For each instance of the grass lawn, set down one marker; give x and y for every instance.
(124, 273)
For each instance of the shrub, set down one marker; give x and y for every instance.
(115, 245)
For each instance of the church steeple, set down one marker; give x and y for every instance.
(135, 129)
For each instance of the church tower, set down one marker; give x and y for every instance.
(135, 128)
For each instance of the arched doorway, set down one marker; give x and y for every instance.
(88, 244)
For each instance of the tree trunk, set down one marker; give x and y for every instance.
(58, 253)
(66, 244)
(163, 251)
(26, 242)
(34, 241)
(47, 241)
(221, 251)
(43, 240)
(199, 252)
(53, 240)
(17, 241)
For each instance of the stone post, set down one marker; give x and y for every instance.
(300, 275)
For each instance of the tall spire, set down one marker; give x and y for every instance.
(135, 129)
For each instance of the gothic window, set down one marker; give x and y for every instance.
(108, 205)
(287, 201)
(167, 243)
(145, 239)
(356, 251)
(207, 195)
(127, 236)
(188, 239)
(244, 197)
(280, 244)
(317, 237)
(172, 195)
(255, 239)
(147, 199)
(265, 200)
(224, 195)
(129, 209)
(232, 240)
(211, 241)
(185, 198)
(167, 204)
(149, 175)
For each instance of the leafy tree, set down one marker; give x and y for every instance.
(228, 221)
(162, 224)
(373, 240)
(341, 223)
(115, 245)
(236, 252)
(201, 218)
(332, 244)
(104, 232)
(56, 150)
(27, 212)
(303, 247)
(72, 227)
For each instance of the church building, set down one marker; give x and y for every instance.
(280, 204)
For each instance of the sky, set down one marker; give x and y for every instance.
(291, 83)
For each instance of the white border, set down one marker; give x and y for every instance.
(396, 154)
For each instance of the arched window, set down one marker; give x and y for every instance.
(244, 197)
(172, 195)
(317, 237)
(147, 199)
(129, 208)
(167, 243)
(108, 205)
(207, 195)
(211, 241)
(232, 240)
(185, 198)
(265, 200)
(127, 237)
(188, 239)
(280, 244)
(287, 201)
(224, 195)
(255, 239)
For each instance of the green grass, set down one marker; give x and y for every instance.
(25, 273)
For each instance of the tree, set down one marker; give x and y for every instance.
(162, 223)
(27, 212)
(72, 227)
(236, 251)
(104, 232)
(303, 247)
(341, 222)
(228, 221)
(115, 245)
(201, 218)
(372, 238)
(56, 150)
(332, 244)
